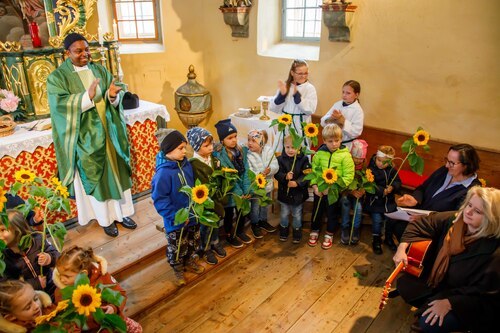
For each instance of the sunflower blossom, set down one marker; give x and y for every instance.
(63, 191)
(55, 181)
(24, 176)
(421, 138)
(311, 130)
(224, 169)
(86, 299)
(285, 119)
(330, 176)
(199, 193)
(61, 306)
(369, 176)
(260, 180)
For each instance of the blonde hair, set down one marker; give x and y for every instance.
(76, 259)
(332, 131)
(8, 292)
(388, 150)
(287, 138)
(490, 226)
(17, 224)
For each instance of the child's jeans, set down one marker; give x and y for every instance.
(258, 213)
(228, 220)
(190, 242)
(324, 208)
(205, 232)
(295, 210)
(377, 223)
(346, 202)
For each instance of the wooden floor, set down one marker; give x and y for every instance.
(268, 286)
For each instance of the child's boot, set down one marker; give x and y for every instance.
(344, 236)
(327, 242)
(179, 275)
(313, 238)
(355, 236)
(266, 226)
(283, 233)
(297, 235)
(377, 244)
(192, 266)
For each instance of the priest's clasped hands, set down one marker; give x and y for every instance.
(112, 90)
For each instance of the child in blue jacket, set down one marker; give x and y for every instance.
(172, 172)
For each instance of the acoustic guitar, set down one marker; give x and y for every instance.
(416, 254)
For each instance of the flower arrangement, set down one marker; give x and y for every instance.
(80, 302)
(363, 181)
(419, 139)
(9, 104)
(54, 197)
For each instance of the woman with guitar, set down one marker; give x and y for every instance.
(462, 291)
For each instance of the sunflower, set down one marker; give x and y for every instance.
(24, 176)
(369, 176)
(229, 170)
(285, 119)
(63, 191)
(61, 306)
(421, 138)
(483, 182)
(86, 299)
(260, 180)
(330, 176)
(55, 181)
(3, 199)
(199, 193)
(311, 130)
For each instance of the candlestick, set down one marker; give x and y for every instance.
(115, 30)
(100, 35)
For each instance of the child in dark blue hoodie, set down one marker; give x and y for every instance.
(173, 171)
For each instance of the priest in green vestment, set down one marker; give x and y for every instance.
(90, 138)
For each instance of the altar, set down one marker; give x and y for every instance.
(246, 124)
(34, 150)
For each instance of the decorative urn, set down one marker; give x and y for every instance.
(192, 101)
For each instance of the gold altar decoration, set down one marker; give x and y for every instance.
(192, 101)
(25, 71)
(7, 125)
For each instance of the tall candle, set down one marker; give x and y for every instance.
(100, 35)
(115, 30)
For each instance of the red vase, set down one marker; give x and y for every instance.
(35, 39)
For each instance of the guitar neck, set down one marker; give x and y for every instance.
(395, 273)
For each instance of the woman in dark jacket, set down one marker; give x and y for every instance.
(461, 292)
(446, 188)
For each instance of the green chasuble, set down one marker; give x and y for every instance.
(95, 141)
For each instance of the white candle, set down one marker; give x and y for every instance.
(100, 35)
(115, 30)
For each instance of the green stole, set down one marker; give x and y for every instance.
(95, 141)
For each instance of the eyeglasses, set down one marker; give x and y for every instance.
(451, 163)
(302, 74)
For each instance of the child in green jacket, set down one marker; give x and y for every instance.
(331, 155)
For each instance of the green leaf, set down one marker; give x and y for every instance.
(15, 188)
(81, 279)
(44, 328)
(198, 209)
(238, 201)
(112, 296)
(25, 242)
(273, 123)
(251, 176)
(281, 127)
(333, 196)
(67, 292)
(41, 191)
(186, 189)
(114, 322)
(412, 159)
(58, 231)
(209, 203)
(98, 315)
(405, 147)
(427, 148)
(66, 206)
(197, 182)
(181, 216)
(245, 208)
(419, 166)
(2, 266)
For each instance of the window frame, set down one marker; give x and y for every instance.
(284, 21)
(156, 21)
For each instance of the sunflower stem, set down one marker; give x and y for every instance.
(291, 170)
(179, 245)
(317, 209)
(237, 222)
(209, 238)
(353, 217)
(410, 151)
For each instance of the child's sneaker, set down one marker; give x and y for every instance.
(327, 242)
(313, 238)
(244, 237)
(297, 235)
(179, 275)
(377, 244)
(266, 226)
(219, 250)
(192, 266)
(234, 242)
(283, 233)
(355, 236)
(210, 258)
(344, 236)
(256, 232)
